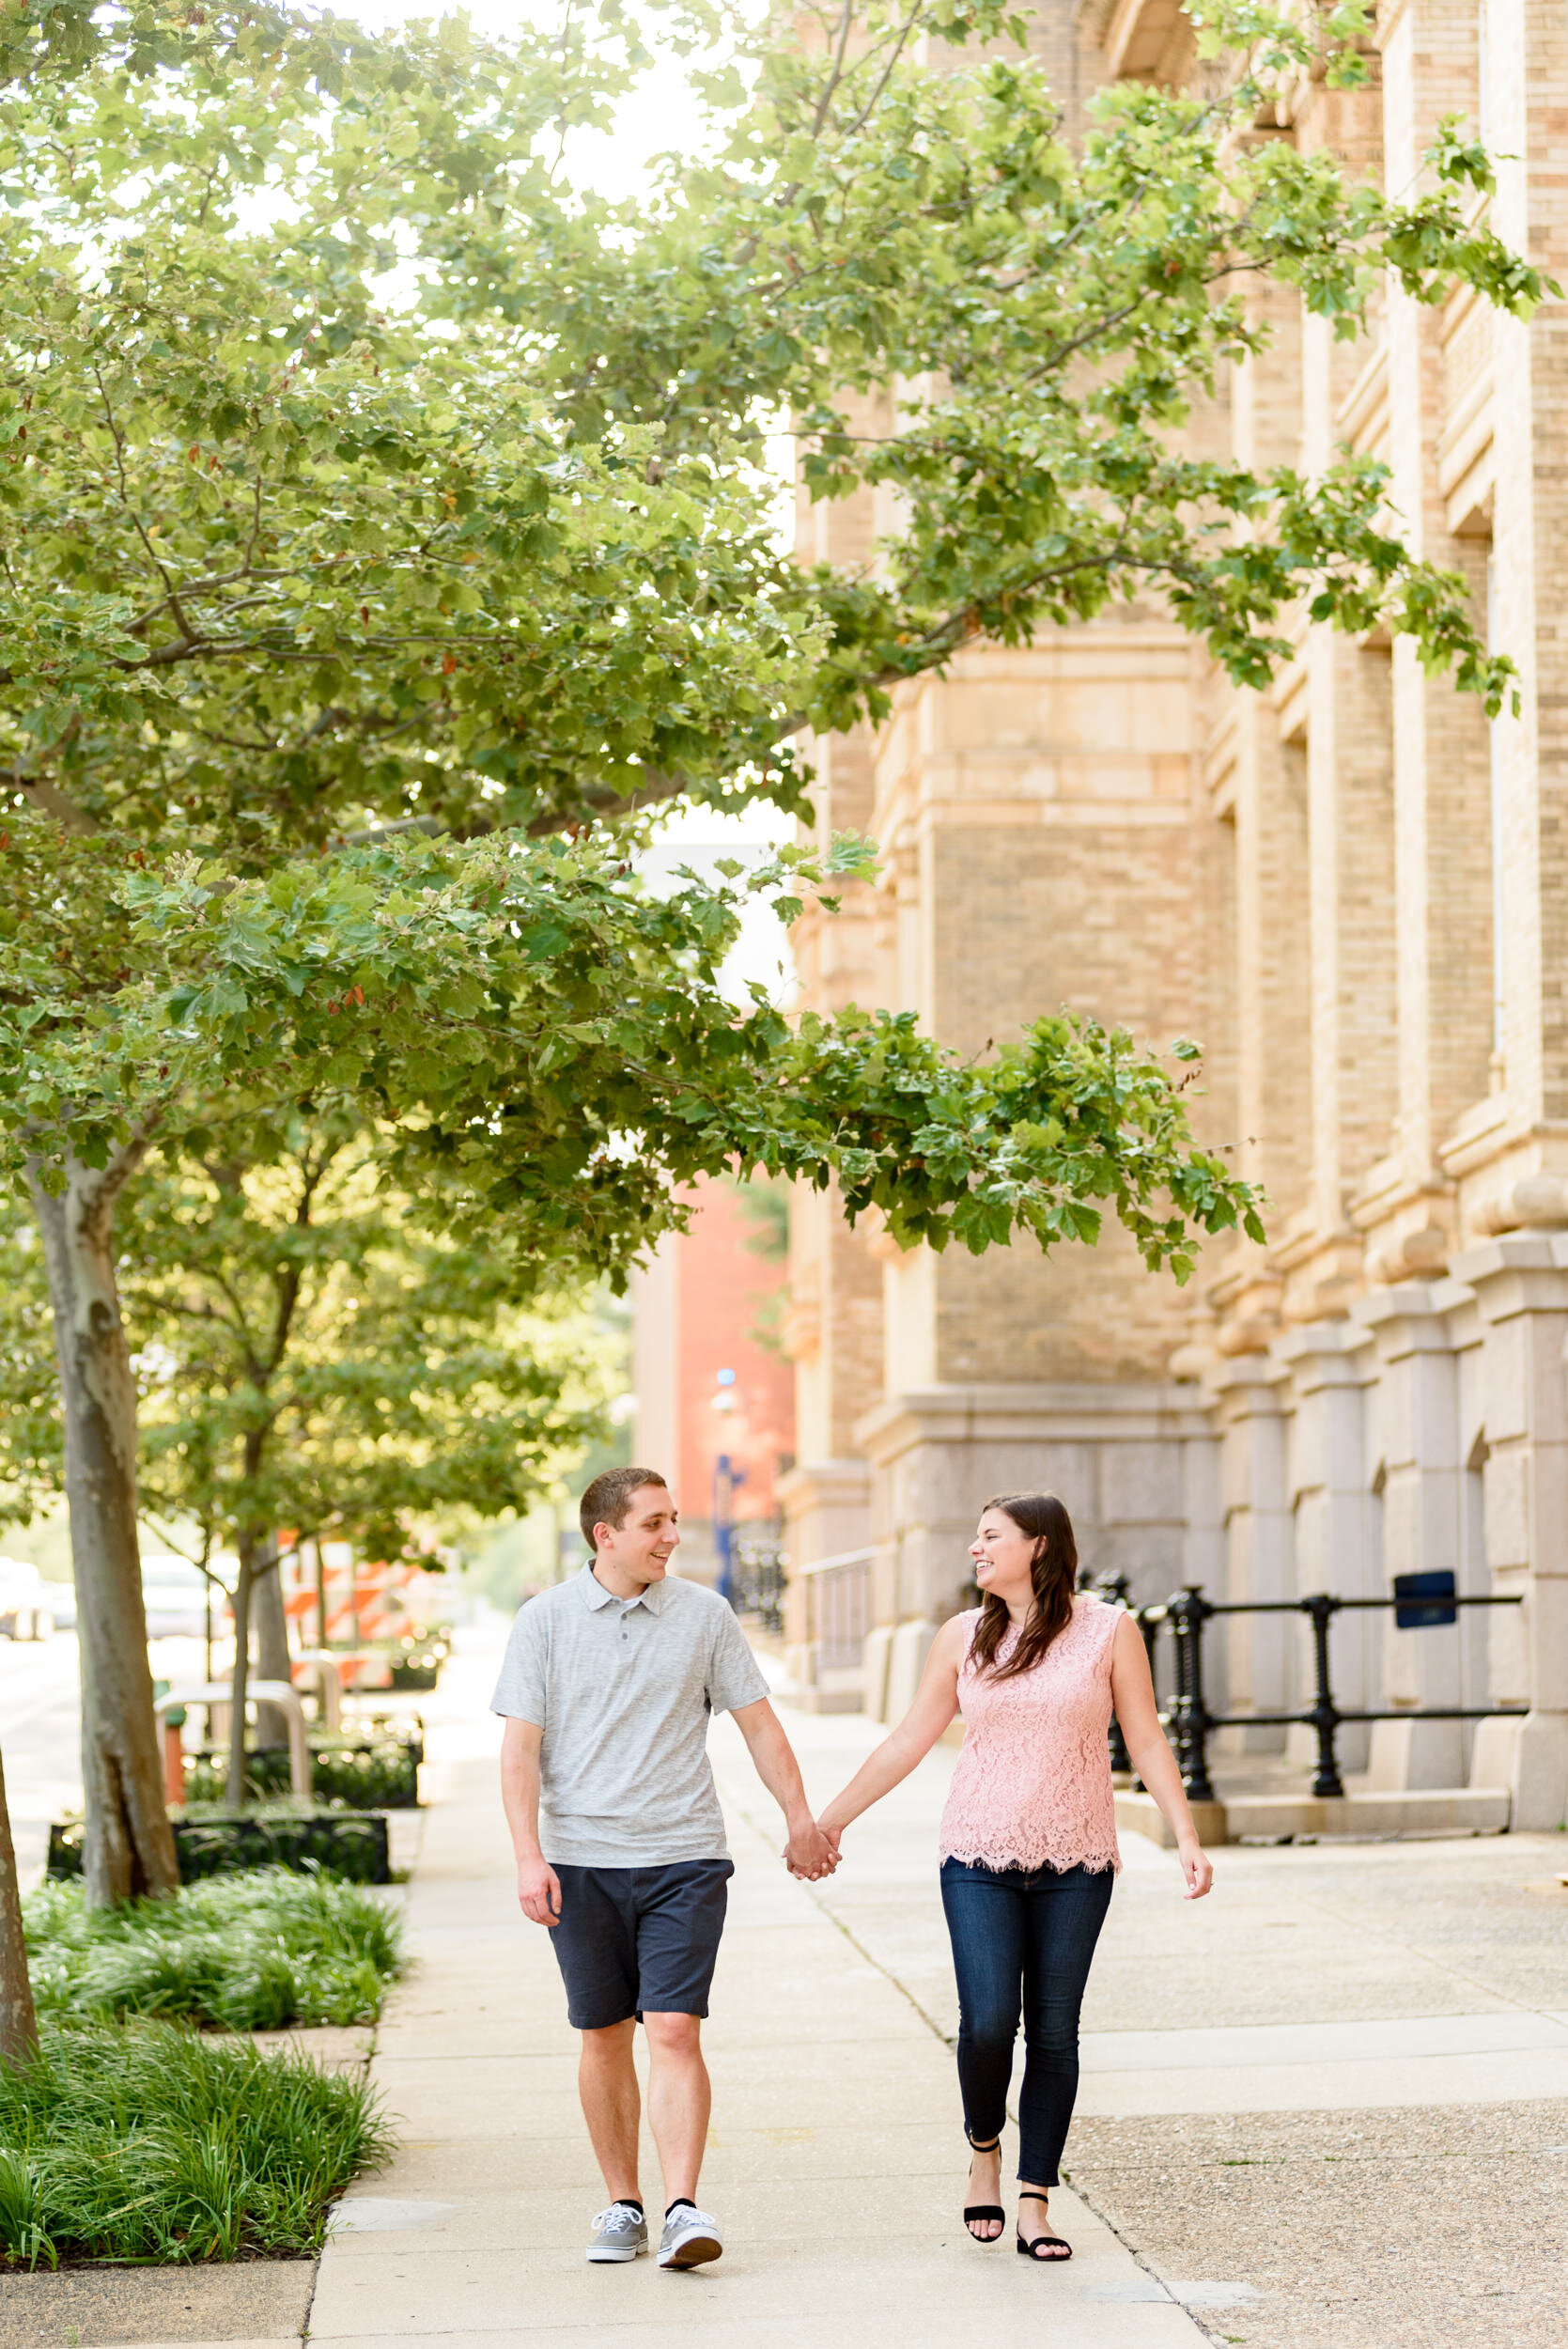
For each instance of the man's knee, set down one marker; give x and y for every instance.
(674, 2035)
(610, 2044)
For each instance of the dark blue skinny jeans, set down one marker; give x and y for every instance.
(1022, 1942)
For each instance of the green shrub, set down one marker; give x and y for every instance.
(379, 1776)
(369, 1778)
(212, 1840)
(417, 1655)
(245, 1952)
(149, 2143)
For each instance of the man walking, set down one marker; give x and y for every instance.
(607, 1688)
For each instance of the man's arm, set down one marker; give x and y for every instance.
(539, 1886)
(807, 1852)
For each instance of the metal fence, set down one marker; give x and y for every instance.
(838, 1609)
(758, 1583)
(1417, 1602)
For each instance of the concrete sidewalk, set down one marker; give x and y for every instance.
(1339, 2086)
(836, 2161)
(1326, 2108)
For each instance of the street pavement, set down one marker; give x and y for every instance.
(41, 1731)
(1326, 2107)
(39, 1740)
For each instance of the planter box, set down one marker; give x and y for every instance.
(348, 1844)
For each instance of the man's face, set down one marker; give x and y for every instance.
(641, 1547)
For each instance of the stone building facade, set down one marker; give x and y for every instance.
(1356, 891)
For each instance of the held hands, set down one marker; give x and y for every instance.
(809, 1853)
(538, 1891)
(1195, 1867)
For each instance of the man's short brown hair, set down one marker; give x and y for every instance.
(608, 1496)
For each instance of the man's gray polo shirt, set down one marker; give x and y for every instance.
(623, 1690)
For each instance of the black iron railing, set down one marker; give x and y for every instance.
(1417, 1602)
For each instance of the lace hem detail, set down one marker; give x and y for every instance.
(1095, 1863)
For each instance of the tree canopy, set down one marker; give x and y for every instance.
(360, 467)
(384, 528)
(310, 1356)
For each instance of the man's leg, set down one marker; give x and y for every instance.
(680, 2099)
(607, 2083)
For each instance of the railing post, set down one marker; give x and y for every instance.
(1324, 1716)
(1190, 1611)
(1113, 1589)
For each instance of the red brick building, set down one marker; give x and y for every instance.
(715, 1395)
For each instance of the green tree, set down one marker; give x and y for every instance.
(308, 1355)
(360, 473)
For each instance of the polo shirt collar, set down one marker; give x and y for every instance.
(595, 1595)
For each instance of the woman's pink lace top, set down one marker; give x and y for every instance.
(1032, 1786)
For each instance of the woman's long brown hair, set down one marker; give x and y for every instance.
(1054, 1573)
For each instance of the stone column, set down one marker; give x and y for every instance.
(1527, 59)
(1273, 976)
(1521, 1285)
(1345, 693)
(1439, 368)
(1335, 1532)
(1423, 1525)
(1259, 1544)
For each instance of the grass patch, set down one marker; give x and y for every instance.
(240, 1952)
(151, 2145)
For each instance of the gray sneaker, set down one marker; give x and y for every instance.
(689, 2238)
(620, 2233)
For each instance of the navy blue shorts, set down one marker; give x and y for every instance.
(631, 1940)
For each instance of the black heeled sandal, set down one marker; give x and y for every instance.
(1051, 2249)
(985, 2210)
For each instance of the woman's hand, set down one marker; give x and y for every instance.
(1195, 1867)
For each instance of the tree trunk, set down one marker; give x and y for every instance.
(18, 2026)
(234, 1793)
(270, 1627)
(130, 1844)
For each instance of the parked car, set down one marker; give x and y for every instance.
(25, 1611)
(60, 1599)
(175, 1594)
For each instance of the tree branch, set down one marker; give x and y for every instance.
(51, 801)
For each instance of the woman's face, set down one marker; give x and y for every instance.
(1003, 1556)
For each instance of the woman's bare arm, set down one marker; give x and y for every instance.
(936, 1704)
(1132, 1692)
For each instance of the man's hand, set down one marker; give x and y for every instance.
(538, 1891)
(808, 1853)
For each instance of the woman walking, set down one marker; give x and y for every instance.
(1028, 1840)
